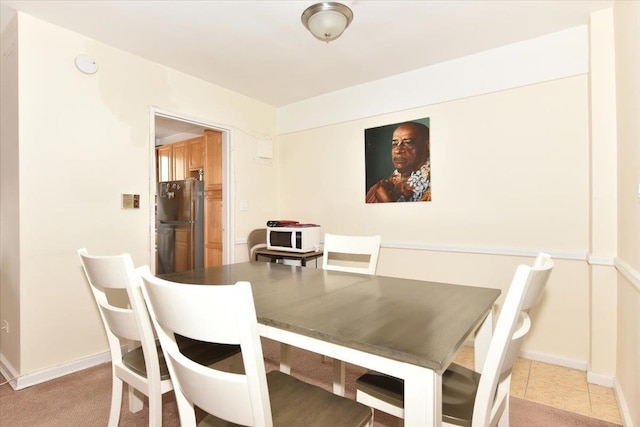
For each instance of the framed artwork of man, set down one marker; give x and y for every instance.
(397, 162)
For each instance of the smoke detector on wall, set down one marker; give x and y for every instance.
(86, 64)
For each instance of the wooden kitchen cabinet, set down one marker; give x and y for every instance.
(213, 198)
(164, 162)
(195, 151)
(180, 160)
(180, 155)
(199, 158)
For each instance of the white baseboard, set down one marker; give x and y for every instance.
(8, 371)
(600, 379)
(552, 359)
(627, 421)
(19, 382)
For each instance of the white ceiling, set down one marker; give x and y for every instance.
(262, 50)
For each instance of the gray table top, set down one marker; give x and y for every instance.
(419, 322)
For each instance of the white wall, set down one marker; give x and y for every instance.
(83, 141)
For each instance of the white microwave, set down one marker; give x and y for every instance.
(294, 239)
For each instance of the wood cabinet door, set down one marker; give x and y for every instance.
(213, 245)
(164, 162)
(212, 229)
(195, 151)
(180, 170)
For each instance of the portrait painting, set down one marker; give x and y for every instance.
(397, 162)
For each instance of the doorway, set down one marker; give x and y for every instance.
(168, 128)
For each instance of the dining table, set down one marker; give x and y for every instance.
(410, 329)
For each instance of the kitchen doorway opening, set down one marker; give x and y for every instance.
(169, 129)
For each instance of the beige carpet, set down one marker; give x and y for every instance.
(83, 399)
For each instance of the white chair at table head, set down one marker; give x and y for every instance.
(226, 314)
(470, 398)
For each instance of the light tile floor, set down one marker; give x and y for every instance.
(556, 386)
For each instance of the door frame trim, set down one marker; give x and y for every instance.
(227, 173)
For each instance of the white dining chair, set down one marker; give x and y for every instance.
(136, 358)
(226, 314)
(470, 398)
(351, 254)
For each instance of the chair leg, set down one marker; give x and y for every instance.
(116, 401)
(504, 417)
(136, 399)
(155, 409)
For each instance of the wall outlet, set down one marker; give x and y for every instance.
(5, 326)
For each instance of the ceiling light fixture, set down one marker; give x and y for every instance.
(327, 20)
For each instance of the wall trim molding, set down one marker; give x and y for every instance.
(8, 371)
(18, 382)
(553, 359)
(627, 421)
(600, 379)
(600, 260)
(503, 251)
(629, 272)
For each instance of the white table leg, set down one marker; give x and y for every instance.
(482, 341)
(285, 358)
(422, 398)
(338, 377)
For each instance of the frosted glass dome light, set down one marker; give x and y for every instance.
(327, 20)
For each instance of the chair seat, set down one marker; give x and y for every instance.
(297, 403)
(459, 387)
(200, 352)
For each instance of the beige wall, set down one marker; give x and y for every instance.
(515, 141)
(627, 45)
(510, 172)
(603, 224)
(83, 141)
(9, 199)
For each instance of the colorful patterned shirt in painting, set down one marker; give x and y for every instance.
(419, 180)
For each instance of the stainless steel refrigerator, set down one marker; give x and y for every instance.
(180, 225)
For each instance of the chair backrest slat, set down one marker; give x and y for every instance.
(352, 254)
(121, 321)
